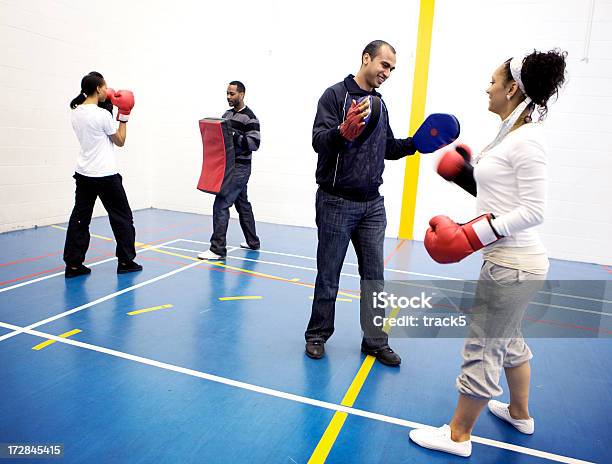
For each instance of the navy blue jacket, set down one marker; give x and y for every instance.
(352, 170)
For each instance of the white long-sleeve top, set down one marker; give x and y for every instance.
(511, 179)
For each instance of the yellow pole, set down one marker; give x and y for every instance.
(417, 115)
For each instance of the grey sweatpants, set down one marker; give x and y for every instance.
(495, 340)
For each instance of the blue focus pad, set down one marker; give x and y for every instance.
(437, 131)
(359, 100)
(371, 120)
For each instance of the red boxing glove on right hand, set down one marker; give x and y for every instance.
(124, 101)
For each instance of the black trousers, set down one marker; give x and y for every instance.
(113, 197)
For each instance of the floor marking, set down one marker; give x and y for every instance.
(108, 239)
(406, 283)
(394, 252)
(42, 345)
(326, 443)
(100, 300)
(248, 271)
(310, 258)
(285, 395)
(233, 298)
(31, 258)
(148, 310)
(28, 282)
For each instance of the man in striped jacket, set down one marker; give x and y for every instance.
(245, 127)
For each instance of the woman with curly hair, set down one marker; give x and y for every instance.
(509, 180)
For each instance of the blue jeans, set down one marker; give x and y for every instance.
(234, 193)
(339, 222)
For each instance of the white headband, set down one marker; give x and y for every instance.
(516, 65)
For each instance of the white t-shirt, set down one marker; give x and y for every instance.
(93, 126)
(511, 180)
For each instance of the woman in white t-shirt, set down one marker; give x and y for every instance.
(97, 176)
(509, 177)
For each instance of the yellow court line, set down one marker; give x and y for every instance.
(225, 266)
(232, 298)
(320, 453)
(42, 345)
(148, 310)
(417, 115)
(245, 271)
(93, 235)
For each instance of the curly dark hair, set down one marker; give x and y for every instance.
(543, 74)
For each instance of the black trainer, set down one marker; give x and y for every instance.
(124, 268)
(75, 271)
(315, 350)
(385, 355)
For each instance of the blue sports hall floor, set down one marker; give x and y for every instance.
(210, 365)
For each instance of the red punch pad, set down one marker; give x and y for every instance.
(218, 154)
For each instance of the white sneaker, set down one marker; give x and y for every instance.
(501, 410)
(440, 440)
(209, 255)
(246, 246)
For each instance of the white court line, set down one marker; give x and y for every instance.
(400, 271)
(346, 264)
(293, 266)
(104, 298)
(285, 395)
(546, 305)
(95, 263)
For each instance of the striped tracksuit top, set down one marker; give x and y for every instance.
(246, 132)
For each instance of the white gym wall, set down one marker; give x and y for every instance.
(470, 39)
(178, 58)
(47, 47)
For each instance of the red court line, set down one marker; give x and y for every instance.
(445, 306)
(108, 255)
(59, 252)
(568, 326)
(394, 252)
(34, 258)
(55, 269)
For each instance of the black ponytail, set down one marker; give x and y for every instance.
(543, 74)
(89, 86)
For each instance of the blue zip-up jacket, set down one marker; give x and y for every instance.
(352, 170)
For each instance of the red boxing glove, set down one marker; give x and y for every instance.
(449, 242)
(354, 123)
(455, 166)
(124, 101)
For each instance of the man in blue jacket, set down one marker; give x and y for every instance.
(352, 137)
